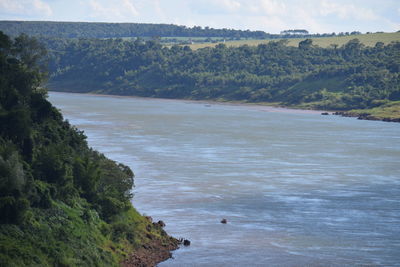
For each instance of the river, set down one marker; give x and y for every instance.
(297, 188)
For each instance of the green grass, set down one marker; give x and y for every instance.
(74, 236)
(366, 39)
(390, 110)
(192, 38)
(58, 236)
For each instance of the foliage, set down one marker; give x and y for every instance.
(112, 30)
(330, 41)
(61, 203)
(116, 30)
(389, 111)
(342, 78)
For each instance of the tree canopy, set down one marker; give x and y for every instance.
(61, 203)
(341, 78)
(113, 30)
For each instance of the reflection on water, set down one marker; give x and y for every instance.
(296, 188)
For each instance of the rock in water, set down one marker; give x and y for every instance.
(161, 223)
(186, 242)
(224, 221)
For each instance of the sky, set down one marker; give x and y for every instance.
(272, 16)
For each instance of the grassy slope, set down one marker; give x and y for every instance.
(366, 39)
(75, 236)
(390, 111)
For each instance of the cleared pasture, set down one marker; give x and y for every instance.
(367, 39)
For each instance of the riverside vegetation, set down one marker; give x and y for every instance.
(61, 203)
(355, 76)
(342, 78)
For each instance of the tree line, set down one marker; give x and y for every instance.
(341, 78)
(114, 30)
(149, 30)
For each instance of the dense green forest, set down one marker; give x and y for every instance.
(61, 203)
(351, 76)
(111, 30)
(115, 30)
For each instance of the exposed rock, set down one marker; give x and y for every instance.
(148, 228)
(186, 242)
(365, 116)
(150, 255)
(324, 113)
(224, 221)
(159, 224)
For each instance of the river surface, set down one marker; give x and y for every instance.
(297, 188)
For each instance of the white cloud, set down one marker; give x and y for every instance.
(11, 6)
(129, 7)
(26, 7)
(273, 23)
(115, 10)
(159, 10)
(272, 7)
(42, 7)
(212, 7)
(268, 15)
(230, 5)
(346, 11)
(313, 15)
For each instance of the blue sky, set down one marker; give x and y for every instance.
(272, 16)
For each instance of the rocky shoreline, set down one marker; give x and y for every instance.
(151, 254)
(157, 249)
(364, 116)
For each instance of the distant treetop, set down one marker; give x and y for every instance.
(116, 30)
(295, 32)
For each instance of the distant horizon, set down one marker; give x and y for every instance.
(271, 16)
(105, 22)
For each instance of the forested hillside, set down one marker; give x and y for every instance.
(112, 30)
(61, 203)
(351, 76)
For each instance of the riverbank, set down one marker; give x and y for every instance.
(151, 254)
(365, 116)
(156, 249)
(267, 106)
(389, 112)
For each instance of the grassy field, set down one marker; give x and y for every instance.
(390, 111)
(366, 39)
(194, 39)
